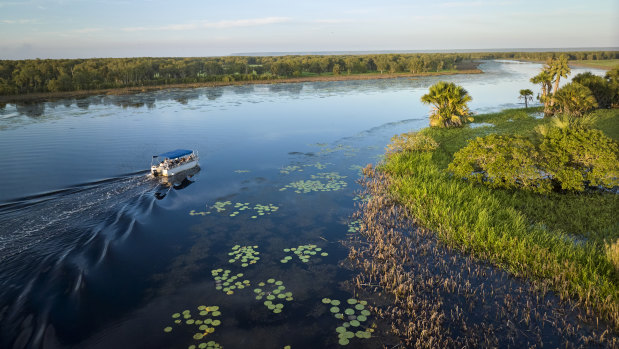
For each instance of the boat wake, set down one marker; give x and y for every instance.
(49, 242)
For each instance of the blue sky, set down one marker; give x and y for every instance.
(119, 28)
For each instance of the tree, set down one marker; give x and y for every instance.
(612, 76)
(600, 87)
(574, 99)
(559, 68)
(336, 69)
(527, 95)
(544, 78)
(450, 104)
(382, 63)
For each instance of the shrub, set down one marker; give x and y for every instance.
(412, 141)
(501, 162)
(600, 88)
(578, 156)
(574, 99)
(567, 158)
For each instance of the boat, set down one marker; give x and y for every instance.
(173, 162)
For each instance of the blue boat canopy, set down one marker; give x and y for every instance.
(176, 153)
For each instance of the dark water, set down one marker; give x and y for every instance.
(95, 253)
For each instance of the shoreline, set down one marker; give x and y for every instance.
(572, 65)
(50, 96)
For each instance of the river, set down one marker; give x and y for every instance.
(96, 253)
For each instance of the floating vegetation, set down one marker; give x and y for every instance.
(357, 168)
(289, 169)
(331, 176)
(293, 168)
(318, 165)
(241, 171)
(273, 291)
(304, 252)
(228, 283)
(350, 151)
(362, 198)
(245, 254)
(354, 226)
(205, 323)
(354, 314)
(220, 206)
(333, 183)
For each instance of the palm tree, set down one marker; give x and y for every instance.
(527, 95)
(449, 101)
(575, 99)
(544, 78)
(559, 69)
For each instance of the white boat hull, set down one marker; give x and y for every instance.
(160, 171)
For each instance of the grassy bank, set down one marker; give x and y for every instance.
(607, 64)
(560, 239)
(46, 96)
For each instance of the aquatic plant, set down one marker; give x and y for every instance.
(289, 169)
(228, 283)
(361, 198)
(357, 168)
(304, 252)
(333, 183)
(220, 206)
(273, 291)
(293, 168)
(349, 150)
(353, 226)
(245, 254)
(205, 323)
(354, 314)
(431, 287)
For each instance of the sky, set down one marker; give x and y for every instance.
(184, 28)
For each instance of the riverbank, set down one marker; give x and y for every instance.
(471, 68)
(604, 64)
(565, 241)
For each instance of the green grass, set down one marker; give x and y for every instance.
(559, 238)
(604, 64)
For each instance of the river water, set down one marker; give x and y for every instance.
(96, 253)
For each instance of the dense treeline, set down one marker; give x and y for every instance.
(53, 75)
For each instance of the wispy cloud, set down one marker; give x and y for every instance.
(214, 25)
(332, 21)
(87, 30)
(17, 21)
(475, 3)
(461, 4)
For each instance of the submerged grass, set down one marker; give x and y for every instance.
(564, 239)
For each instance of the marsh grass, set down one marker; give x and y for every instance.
(557, 238)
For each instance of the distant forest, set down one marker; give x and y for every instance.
(54, 75)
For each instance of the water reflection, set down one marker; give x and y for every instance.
(33, 110)
(213, 93)
(178, 181)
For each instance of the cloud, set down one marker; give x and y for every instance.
(332, 21)
(87, 30)
(224, 24)
(17, 21)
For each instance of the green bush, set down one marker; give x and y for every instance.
(578, 156)
(574, 99)
(501, 162)
(411, 141)
(567, 158)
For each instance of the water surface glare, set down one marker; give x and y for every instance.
(95, 253)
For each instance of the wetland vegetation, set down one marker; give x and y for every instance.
(536, 196)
